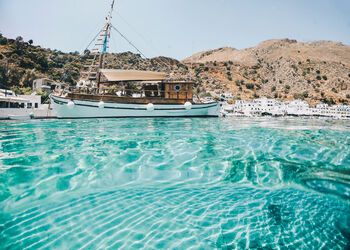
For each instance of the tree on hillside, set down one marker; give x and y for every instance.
(19, 45)
(19, 39)
(28, 77)
(30, 42)
(3, 40)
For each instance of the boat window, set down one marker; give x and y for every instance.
(36, 105)
(3, 105)
(177, 88)
(14, 105)
(29, 105)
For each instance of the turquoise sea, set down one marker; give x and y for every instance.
(247, 183)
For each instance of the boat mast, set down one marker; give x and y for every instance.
(106, 36)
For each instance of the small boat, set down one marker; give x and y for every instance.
(21, 107)
(110, 93)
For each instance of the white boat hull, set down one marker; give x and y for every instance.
(91, 109)
(43, 112)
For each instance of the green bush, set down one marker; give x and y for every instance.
(250, 85)
(301, 96)
(328, 101)
(197, 71)
(3, 40)
(273, 88)
(21, 91)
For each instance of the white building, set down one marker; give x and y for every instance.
(225, 97)
(265, 106)
(297, 108)
(45, 85)
(259, 106)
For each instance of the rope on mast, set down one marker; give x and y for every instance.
(93, 40)
(158, 59)
(126, 39)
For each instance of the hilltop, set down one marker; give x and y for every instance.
(283, 69)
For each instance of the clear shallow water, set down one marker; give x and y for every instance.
(175, 184)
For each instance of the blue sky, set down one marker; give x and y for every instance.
(175, 28)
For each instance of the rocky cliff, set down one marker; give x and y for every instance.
(285, 69)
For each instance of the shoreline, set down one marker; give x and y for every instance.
(301, 117)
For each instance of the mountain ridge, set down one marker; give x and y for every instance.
(279, 68)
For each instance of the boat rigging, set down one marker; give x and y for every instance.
(105, 92)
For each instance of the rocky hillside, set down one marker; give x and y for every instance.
(285, 69)
(21, 62)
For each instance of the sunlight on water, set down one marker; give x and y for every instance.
(175, 184)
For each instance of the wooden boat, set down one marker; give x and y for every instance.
(107, 93)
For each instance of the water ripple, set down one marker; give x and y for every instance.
(224, 216)
(175, 183)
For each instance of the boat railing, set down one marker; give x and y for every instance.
(131, 93)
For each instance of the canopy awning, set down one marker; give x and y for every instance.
(113, 75)
(13, 99)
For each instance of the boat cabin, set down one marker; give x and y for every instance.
(137, 87)
(178, 90)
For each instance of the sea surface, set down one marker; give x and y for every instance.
(245, 183)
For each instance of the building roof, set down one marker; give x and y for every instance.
(13, 99)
